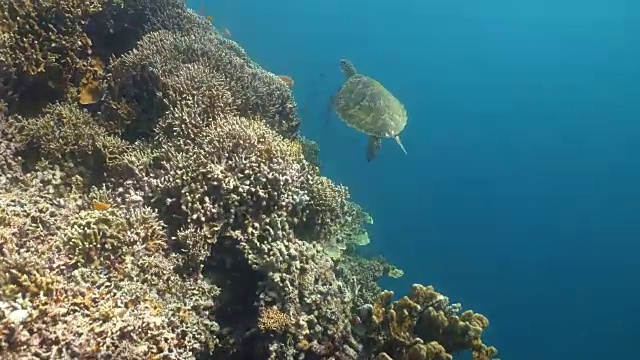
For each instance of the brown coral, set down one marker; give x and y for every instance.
(70, 137)
(42, 49)
(430, 351)
(425, 316)
(52, 304)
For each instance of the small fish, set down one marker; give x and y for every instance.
(201, 8)
(100, 206)
(287, 80)
(226, 32)
(91, 91)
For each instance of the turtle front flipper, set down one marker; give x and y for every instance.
(373, 147)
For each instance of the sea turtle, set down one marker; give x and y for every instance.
(365, 105)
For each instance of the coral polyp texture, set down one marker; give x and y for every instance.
(158, 202)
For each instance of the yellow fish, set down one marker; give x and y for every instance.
(100, 206)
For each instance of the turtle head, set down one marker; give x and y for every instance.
(347, 68)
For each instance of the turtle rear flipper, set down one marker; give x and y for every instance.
(397, 139)
(373, 147)
(331, 107)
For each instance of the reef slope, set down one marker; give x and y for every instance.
(157, 202)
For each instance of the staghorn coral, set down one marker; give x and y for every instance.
(157, 74)
(70, 137)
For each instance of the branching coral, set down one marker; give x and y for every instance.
(311, 151)
(272, 319)
(126, 303)
(362, 276)
(238, 191)
(10, 165)
(43, 48)
(70, 137)
(56, 50)
(165, 68)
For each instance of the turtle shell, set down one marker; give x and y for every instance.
(364, 104)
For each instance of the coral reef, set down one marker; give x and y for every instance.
(425, 323)
(76, 282)
(157, 201)
(166, 68)
(44, 50)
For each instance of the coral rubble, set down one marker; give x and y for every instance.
(158, 202)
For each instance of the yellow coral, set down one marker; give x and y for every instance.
(94, 237)
(402, 319)
(424, 295)
(429, 351)
(381, 305)
(27, 281)
(273, 320)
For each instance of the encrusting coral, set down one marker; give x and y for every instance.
(157, 201)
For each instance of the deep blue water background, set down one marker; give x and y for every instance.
(520, 195)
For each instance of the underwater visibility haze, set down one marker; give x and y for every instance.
(519, 195)
(196, 180)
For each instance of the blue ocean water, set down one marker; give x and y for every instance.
(520, 193)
